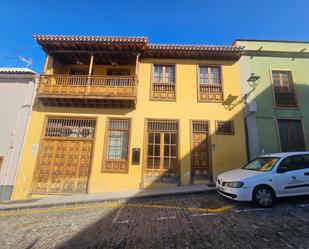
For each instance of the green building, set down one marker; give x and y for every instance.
(275, 88)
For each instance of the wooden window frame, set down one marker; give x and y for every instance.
(145, 144)
(302, 127)
(292, 87)
(199, 98)
(151, 92)
(105, 150)
(232, 133)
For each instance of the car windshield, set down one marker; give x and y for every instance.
(262, 164)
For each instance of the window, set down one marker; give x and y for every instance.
(164, 74)
(283, 89)
(291, 135)
(163, 82)
(224, 127)
(292, 163)
(117, 145)
(162, 148)
(209, 75)
(210, 86)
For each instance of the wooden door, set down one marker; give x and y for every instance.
(1, 162)
(162, 147)
(200, 155)
(65, 156)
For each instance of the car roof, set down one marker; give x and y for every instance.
(285, 154)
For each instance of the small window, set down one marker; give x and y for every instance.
(164, 74)
(224, 128)
(117, 145)
(283, 89)
(163, 83)
(209, 75)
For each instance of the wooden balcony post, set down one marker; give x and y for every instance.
(89, 74)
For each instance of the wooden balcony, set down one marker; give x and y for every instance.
(163, 91)
(210, 93)
(285, 97)
(87, 91)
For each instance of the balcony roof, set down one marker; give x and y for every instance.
(123, 49)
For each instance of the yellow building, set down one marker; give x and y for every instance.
(119, 113)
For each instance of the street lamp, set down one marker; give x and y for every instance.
(253, 80)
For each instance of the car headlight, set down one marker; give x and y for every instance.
(234, 184)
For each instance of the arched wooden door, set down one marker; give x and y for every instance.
(65, 155)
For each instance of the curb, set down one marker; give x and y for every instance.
(96, 201)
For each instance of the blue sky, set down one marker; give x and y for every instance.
(168, 21)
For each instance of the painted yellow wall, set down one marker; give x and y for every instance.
(228, 152)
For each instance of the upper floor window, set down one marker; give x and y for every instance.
(283, 89)
(164, 74)
(163, 82)
(209, 75)
(210, 85)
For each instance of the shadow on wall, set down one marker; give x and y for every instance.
(264, 135)
(114, 229)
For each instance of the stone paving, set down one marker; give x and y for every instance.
(184, 221)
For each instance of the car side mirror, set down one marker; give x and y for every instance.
(283, 169)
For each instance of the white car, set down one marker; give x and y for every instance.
(267, 177)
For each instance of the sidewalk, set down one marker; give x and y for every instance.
(74, 200)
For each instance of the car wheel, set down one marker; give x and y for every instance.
(264, 197)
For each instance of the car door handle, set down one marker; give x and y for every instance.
(306, 173)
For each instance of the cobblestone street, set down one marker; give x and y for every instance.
(185, 221)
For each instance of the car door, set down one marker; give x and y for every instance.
(292, 176)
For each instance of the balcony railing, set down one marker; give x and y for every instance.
(210, 92)
(87, 87)
(285, 97)
(163, 91)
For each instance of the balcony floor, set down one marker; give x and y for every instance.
(87, 102)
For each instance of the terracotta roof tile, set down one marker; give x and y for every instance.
(74, 38)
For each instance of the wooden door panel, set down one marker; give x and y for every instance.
(200, 157)
(64, 166)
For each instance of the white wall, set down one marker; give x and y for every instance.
(16, 95)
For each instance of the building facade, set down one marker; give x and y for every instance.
(17, 91)
(277, 111)
(119, 113)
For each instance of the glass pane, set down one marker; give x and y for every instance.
(149, 162)
(166, 163)
(157, 150)
(173, 138)
(169, 74)
(166, 150)
(166, 138)
(157, 137)
(150, 150)
(158, 73)
(203, 75)
(150, 138)
(117, 145)
(215, 75)
(173, 150)
(156, 163)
